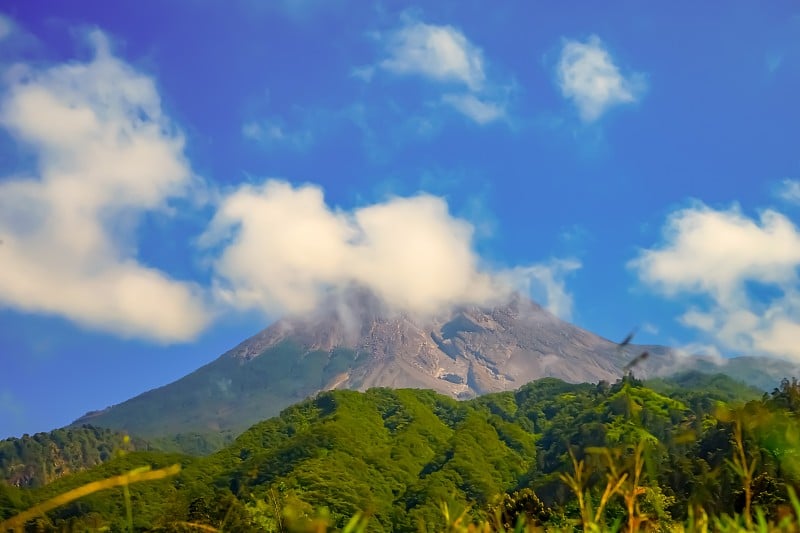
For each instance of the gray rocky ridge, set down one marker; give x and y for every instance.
(354, 343)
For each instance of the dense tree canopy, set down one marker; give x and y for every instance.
(398, 455)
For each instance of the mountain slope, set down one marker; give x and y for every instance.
(463, 353)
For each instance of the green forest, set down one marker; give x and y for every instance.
(694, 452)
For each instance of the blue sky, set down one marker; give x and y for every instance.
(176, 175)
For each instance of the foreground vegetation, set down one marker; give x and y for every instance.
(696, 452)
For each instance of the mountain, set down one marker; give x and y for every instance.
(356, 344)
(764, 373)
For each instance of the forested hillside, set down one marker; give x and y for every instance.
(32, 461)
(35, 460)
(658, 453)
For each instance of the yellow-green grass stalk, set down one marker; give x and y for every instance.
(17, 523)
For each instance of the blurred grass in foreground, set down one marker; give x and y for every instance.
(17, 523)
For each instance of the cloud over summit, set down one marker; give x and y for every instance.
(283, 249)
(105, 154)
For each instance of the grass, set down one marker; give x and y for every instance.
(621, 482)
(17, 523)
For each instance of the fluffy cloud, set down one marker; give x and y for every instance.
(720, 255)
(588, 76)
(441, 54)
(716, 251)
(105, 152)
(283, 250)
(287, 248)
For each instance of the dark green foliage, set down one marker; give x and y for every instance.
(33, 461)
(398, 455)
(193, 443)
(521, 505)
(703, 391)
(786, 396)
(759, 372)
(11, 499)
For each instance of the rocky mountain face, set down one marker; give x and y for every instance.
(467, 352)
(358, 345)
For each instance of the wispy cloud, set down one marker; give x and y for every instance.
(789, 191)
(443, 55)
(773, 62)
(273, 133)
(6, 27)
(10, 405)
(12, 412)
(588, 76)
(363, 73)
(719, 255)
(471, 106)
(650, 328)
(298, 10)
(105, 154)
(546, 283)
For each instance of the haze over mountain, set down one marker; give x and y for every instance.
(356, 343)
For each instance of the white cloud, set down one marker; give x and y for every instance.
(588, 76)
(105, 152)
(719, 255)
(288, 248)
(474, 108)
(716, 251)
(789, 191)
(440, 53)
(283, 250)
(781, 336)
